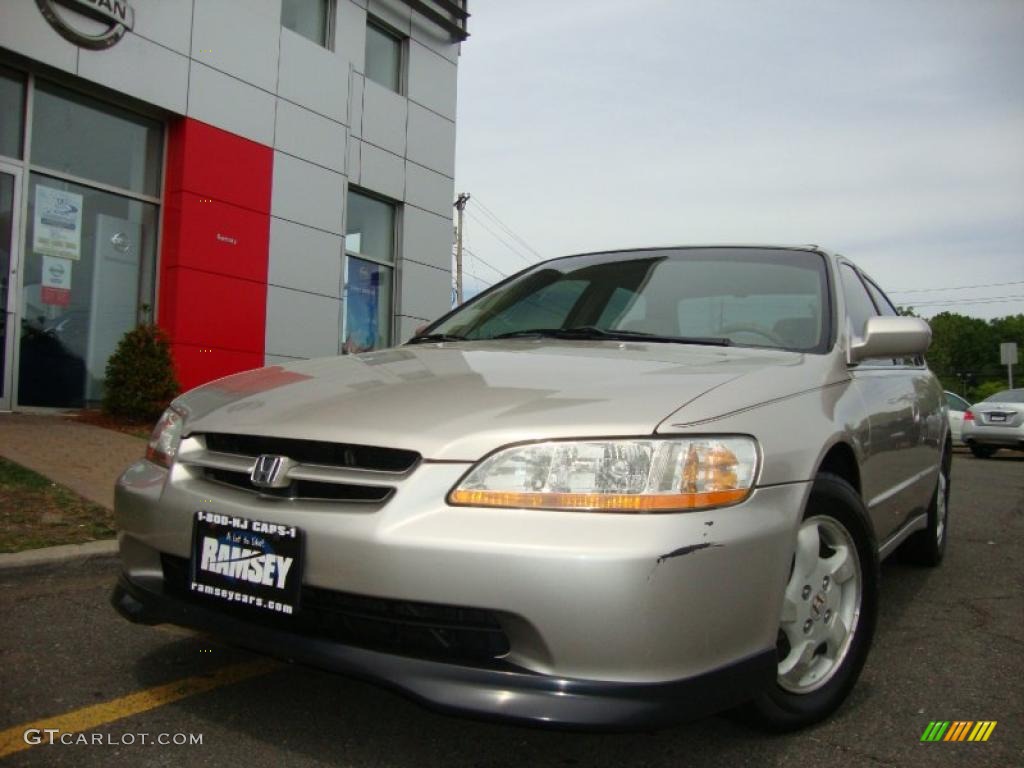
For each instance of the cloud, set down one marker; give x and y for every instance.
(890, 131)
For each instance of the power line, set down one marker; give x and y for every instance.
(964, 302)
(508, 229)
(959, 287)
(484, 262)
(478, 278)
(515, 235)
(499, 238)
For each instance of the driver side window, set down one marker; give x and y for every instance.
(859, 306)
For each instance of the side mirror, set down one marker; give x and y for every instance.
(891, 337)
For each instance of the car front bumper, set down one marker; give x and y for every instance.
(506, 694)
(611, 619)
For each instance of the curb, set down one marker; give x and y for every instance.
(64, 553)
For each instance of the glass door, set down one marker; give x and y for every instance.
(10, 208)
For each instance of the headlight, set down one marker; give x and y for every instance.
(614, 475)
(166, 437)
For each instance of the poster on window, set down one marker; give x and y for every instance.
(57, 227)
(362, 304)
(56, 285)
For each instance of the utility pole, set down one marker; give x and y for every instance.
(460, 206)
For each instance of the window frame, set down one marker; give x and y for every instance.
(393, 265)
(330, 24)
(34, 75)
(871, 284)
(26, 83)
(403, 56)
(846, 302)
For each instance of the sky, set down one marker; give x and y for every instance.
(891, 132)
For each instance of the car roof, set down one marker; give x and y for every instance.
(710, 246)
(701, 247)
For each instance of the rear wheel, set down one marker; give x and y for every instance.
(928, 546)
(982, 451)
(829, 610)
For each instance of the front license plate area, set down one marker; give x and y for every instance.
(246, 562)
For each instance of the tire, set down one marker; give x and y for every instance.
(982, 451)
(927, 547)
(819, 665)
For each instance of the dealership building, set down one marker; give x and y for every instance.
(269, 180)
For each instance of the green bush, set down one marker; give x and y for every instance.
(140, 379)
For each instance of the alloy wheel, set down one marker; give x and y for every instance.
(821, 606)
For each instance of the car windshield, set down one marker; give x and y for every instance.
(756, 297)
(1007, 396)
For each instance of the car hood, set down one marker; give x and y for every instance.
(460, 401)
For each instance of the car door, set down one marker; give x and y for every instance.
(901, 460)
(957, 408)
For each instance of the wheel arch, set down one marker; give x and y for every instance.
(841, 460)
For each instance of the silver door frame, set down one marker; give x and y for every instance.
(13, 281)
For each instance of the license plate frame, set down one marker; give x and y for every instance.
(241, 561)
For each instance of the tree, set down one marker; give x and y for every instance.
(1009, 328)
(140, 380)
(965, 350)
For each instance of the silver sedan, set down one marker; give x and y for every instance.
(994, 423)
(615, 489)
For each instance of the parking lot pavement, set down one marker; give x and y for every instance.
(949, 647)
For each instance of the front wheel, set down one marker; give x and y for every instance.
(829, 610)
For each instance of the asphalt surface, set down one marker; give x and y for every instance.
(949, 647)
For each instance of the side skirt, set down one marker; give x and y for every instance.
(913, 525)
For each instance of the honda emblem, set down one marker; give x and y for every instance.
(271, 472)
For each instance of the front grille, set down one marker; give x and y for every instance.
(311, 490)
(317, 470)
(432, 631)
(326, 454)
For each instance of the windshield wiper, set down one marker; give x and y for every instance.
(593, 332)
(428, 337)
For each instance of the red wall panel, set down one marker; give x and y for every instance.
(214, 250)
(216, 310)
(214, 163)
(198, 365)
(217, 237)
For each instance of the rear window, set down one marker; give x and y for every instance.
(1007, 396)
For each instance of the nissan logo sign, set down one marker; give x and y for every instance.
(117, 16)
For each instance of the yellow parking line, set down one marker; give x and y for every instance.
(88, 718)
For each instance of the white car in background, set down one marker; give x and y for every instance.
(957, 408)
(996, 422)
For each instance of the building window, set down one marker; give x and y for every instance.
(383, 56)
(12, 112)
(90, 242)
(85, 138)
(369, 273)
(309, 18)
